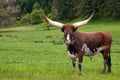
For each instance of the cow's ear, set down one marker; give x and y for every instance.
(74, 29)
(62, 29)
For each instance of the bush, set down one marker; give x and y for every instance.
(25, 19)
(36, 16)
(45, 24)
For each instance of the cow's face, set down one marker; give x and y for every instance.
(68, 30)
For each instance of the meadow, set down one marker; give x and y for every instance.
(34, 53)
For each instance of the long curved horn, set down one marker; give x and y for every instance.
(77, 24)
(54, 23)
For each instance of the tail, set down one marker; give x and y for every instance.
(109, 59)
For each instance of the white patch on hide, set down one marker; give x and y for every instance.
(101, 48)
(86, 49)
(80, 63)
(72, 56)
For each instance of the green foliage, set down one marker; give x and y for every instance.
(3, 15)
(69, 9)
(64, 9)
(36, 16)
(61, 9)
(36, 6)
(8, 12)
(45, 24)
(3, 12)
(25, 19)
(112, 8)
(27, 5)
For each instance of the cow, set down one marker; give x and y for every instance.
(81, 44)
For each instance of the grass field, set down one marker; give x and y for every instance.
(34, 53)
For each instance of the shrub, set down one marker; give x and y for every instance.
(25, 19)
(45, 24)
(35, 16)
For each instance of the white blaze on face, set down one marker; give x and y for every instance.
(68, 37)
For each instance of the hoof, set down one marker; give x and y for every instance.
(74, 70)
(109, 71)
(80, 73)
(103, 72)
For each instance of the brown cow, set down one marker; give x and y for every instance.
(85, 43)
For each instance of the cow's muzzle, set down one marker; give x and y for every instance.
(68, 42)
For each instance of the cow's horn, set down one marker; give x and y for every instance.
(77, 24)
(54, 23)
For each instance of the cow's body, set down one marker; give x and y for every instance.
(89, 43)
(85, 43)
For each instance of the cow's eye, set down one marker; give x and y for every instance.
(65, 31)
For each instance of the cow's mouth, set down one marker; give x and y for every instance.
(68, 42)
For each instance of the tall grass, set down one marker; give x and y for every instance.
(34, 53)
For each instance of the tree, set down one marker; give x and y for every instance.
(8, 12)
(36, 6)
(36, 16)
(70, 9)
(64, 9)
(112, 8)
(26, 6)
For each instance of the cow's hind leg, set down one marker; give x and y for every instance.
(104, 68)
(74, 64)
(107, 61)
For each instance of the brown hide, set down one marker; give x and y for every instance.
(92, 39)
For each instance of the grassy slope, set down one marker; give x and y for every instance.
(32, 53)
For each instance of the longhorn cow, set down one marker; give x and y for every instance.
(84, 43)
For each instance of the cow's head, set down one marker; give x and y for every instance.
(68, 29)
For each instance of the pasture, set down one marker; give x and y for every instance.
(34, 53)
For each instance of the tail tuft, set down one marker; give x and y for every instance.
(109, 61)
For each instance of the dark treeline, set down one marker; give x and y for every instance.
(26, 6)
(67, 9)
(28, 10)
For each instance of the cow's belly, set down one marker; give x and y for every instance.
(88, 52)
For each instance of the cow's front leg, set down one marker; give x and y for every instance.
(74, 64)
(80, 56)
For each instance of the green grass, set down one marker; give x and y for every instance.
(33, 53)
